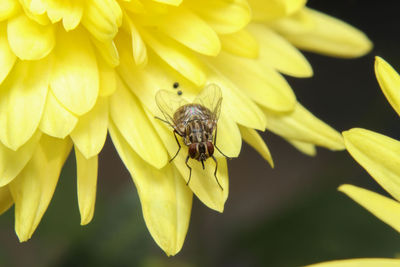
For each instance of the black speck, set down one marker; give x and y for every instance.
(175, 85)
(179, 92)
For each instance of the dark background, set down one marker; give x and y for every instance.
(289, 216)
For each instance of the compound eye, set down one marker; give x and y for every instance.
(210, 148)
(192, 150)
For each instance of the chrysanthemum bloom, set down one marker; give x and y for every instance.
(72, 71)
(380, 156)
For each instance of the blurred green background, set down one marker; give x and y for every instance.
(289, 216)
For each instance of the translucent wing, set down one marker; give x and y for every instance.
(169, 102)
(211, 98)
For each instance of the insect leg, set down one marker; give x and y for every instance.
(215, 172)
(167, 122)
(215, 144)
(190, 169)
(176, 154)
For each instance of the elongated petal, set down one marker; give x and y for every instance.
(8, 8)
(7, 57)
(306, 148)
(177, 56)
(389, 80)
(108, 79)
(341, 40)
(378, 154)
(139, 49)
(260, 82)
(240, 43)
(166, 200)
(33, 188)
(22, 101)
(203, 182)
(12, 162)
(131, 121)
(6, 200)
(56, 120)
(75, 85)
(108, 51)
(302, 126)
(386, 209)
(223, 16)
(70, 12)
(229, 140)
(270, 10)
(254, 139)
(170, 2)
(87, 184)
(29, 40)
(89, 135)
(188, 29)
(367, 262)
(278, 53)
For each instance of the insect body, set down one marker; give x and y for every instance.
(195, 122)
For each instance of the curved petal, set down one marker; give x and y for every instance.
(389, 81)
(22, 100)
(12, 162)
(90, 134)
(8, 8)
(131, 121)
(277, 52)
(108, 79)
(33, 188)
(7, 57)
(29, 40)
(303, 147)
(166, 200)
(223, 16)
(261, 83)
(56, 120)
(229, 140)
(108, 51)
(87, 184)
(254, 139)
(386, 209)
(6, 200)
(274, 9)
(341, 40)
(378, 155)
(70, 12)
(367, 262)
(139, 49)
(75, 85)
(302, 126)
(240, 43)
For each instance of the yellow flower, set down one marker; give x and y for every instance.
(380, 156)
(73, 71)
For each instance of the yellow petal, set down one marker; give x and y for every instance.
(170, 2)
(273, 9)
(386, 209)
(240, 43)
(203, 182)
(102, 18)
(38, 17)
(187, 28)
(6, 200)
(76, 85)
(8, 8)
(56, 120)
(108, 79)
(12, 162)
(254, 139)
(108, 51)
(229, 140)
(29, 40)
(90, 133)
(22, 100)
(166, 200)
(368, 262)
(223, 16)
(139, 49)
(378, 154)
(277, 52)
(33, 188)
(87, 184)
(131, 121)
(306, 148)
(341, 40)
(261, 83)
(298, 23)
(7, 57)
(389, 80)
(302, 126)
(177, 56)
(69, 11)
